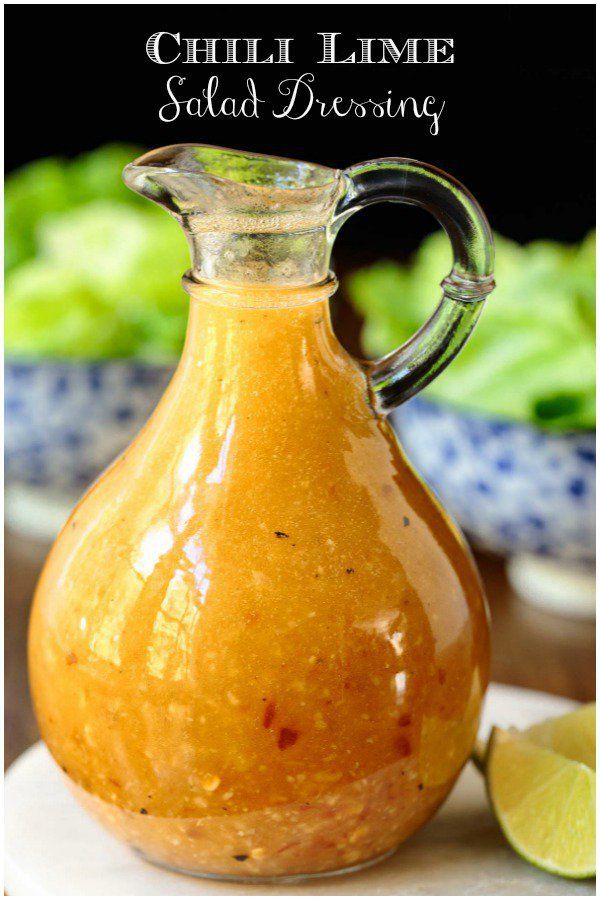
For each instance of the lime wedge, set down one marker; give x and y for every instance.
(573, 735)
(544, 801)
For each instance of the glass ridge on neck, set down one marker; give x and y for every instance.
(258, 296)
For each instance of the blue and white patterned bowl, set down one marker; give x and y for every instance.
(513, 488)
(65, 422)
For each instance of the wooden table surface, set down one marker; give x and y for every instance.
(530, 648)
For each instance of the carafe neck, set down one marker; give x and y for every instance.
(256, 330)
(226, 259)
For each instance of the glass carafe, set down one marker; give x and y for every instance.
(258, 648)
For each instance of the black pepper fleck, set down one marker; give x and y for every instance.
(241, 857)
(405, 521)
(349, 571)
(143, 812)
(281, 534)
(420, 786)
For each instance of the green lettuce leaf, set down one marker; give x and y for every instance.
(93, 271)
(532, 355)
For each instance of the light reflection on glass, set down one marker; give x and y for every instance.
(199, 569)
(381, 624)
(400, 685)
(216, 476)
(306, 370)
(170, 647)
(155, 543)
(395, 640)
(189, 460)
(187, 510)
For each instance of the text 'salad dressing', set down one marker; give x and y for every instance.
(259, 648)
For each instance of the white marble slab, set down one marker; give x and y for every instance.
(54, 849)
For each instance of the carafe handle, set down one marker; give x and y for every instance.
(407, 370)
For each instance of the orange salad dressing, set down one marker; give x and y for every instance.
(259, 647)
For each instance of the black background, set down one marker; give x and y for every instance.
(517, 129)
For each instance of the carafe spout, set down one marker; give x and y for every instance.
(249, 218)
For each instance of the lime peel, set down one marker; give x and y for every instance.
(544, 801)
